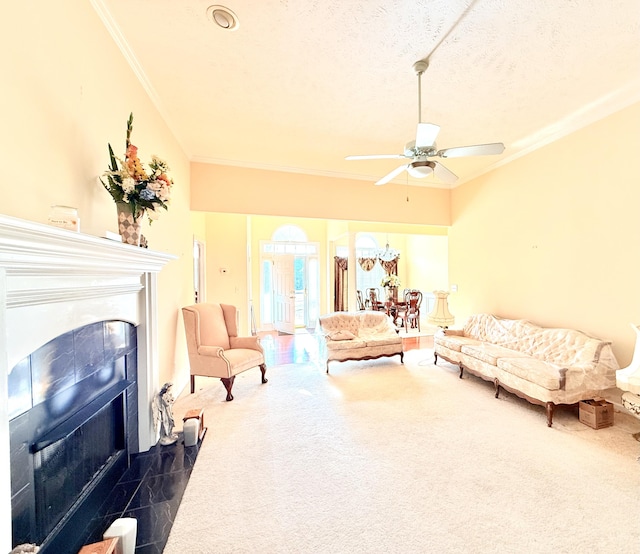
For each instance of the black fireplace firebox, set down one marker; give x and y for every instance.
(73, 426)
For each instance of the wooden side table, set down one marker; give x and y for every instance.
(107, 546)
(196, 413)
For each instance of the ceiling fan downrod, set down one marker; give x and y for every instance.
(420, 67)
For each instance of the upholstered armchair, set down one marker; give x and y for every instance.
(215, 349)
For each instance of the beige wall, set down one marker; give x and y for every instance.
(227, 264)
(428, 269)
(67, 91)
(554, 237)
(219, 188)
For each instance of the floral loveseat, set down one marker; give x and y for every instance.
(546, 366)
(359, 336)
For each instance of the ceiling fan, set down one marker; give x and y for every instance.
(424, 147)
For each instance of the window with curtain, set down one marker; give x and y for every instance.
(366, 247)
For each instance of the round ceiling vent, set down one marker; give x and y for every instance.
(223, 17)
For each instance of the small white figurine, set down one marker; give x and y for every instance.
(25, 549)
(163, 414)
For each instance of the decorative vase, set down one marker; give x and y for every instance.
(128, 224)
(392, 294)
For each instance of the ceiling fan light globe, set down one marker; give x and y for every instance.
(419, 170)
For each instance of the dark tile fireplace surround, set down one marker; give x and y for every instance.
(73, 434)
(73, 425)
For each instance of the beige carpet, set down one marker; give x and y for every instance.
(383, 458)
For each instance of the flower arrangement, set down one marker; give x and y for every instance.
(129, 183)
(390, 281)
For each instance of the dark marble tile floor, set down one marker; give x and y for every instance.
(150, 491)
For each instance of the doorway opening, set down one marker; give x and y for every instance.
(199, 278)
(289, 281)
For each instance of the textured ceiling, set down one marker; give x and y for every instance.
(303, 83)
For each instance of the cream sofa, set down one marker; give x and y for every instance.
(546, 366)
(361, 335)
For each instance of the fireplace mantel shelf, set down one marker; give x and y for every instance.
(56, 280)
(29, 247)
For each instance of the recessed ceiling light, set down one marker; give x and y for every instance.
(223, 17)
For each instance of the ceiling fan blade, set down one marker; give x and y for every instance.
(391, 175)
(377, 157)
(426, 134)
(476, 150)
(443, 174)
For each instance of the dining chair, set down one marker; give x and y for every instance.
(409, 314)
(360, 300)
(374, 300)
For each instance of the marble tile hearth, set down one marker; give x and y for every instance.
(150, 491)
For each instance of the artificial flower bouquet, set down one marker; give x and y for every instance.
(144, 191)
(390, 281)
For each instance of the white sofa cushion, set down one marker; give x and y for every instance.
(548, 376)
(489, 353)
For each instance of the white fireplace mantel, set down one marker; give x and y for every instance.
(53, 281)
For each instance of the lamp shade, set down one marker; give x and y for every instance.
(440, 315)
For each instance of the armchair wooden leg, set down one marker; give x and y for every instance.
(263, 369)
(228, 384)
(193, 384)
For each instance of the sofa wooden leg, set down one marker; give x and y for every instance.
(228, 384)
(496, 384)
(401, 357)
(263, 369)
(435, 359)
(461, 371)
(549, 406)
(327, 366)
(193, 384)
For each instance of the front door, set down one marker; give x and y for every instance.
(284, 294)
